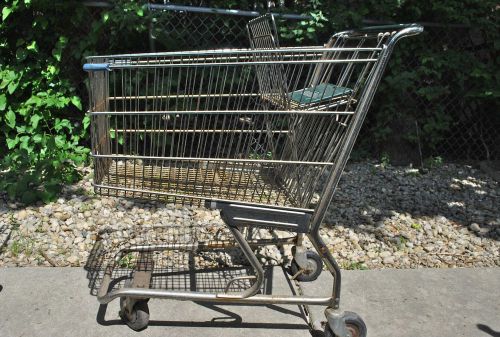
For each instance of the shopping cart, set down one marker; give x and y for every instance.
(260, 134)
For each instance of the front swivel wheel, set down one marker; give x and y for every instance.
(138, 318)
(354, 324)
(311, 272)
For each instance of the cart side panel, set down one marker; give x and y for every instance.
(100, 134)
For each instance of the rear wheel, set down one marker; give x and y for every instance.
(316, 266)
(138, 318)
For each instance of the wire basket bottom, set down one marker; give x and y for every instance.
(174, 270)
(190, 183)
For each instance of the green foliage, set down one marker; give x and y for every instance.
(416, 226)
(43, 130)
(449, 62)
(354, 266)
(433, 162)
(305, 30)
(127, 261)
(401, 242)
(40, 139)
(385, 161)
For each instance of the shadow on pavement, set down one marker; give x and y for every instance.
(182, 272)
(488, 330)
(230, 320)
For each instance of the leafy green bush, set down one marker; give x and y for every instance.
(431, 78)
(41, 138)
(43, 128)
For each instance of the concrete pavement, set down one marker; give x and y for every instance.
(400, 303)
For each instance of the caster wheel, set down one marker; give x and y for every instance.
(355, 325)
(138, 319)
(316, 264)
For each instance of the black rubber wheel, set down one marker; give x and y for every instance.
(354, 323)
(308, 276)
(138, 319)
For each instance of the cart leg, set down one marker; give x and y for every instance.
(335, 323)
(142, 276)
(135, 311)
(331, 264)
(254, 262)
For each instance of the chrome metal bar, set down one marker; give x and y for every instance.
(196, 54)
(233, 64)
(188, 196)
(223, 112)
(196, 131)
(213, 298)
(195, 159)
(252, 259)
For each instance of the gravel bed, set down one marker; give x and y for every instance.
(380, 217)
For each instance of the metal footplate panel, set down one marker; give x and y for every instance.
(260, 216)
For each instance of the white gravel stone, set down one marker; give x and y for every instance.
(448, 217)
(475, 227)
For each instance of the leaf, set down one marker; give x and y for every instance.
(24, 144)
(76, 102)
(35, 100)
(34, 121)
(57, 54)
(60, 141)
(11, 143)
(6, 12)
(86, 122)
(37, 138)
(57, 51)
(12, 87)
(10, 118)
(51, 69)
(32, 46)
(64, 123)
(3, 102)
(7, 77)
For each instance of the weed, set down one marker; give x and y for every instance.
(14, 224)
(385, 160)
(416, 226)
(126, 261)
(355, 266)
(22, 245)
(15, 248)
(434, 162)
(85, 207)
(402, 242)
